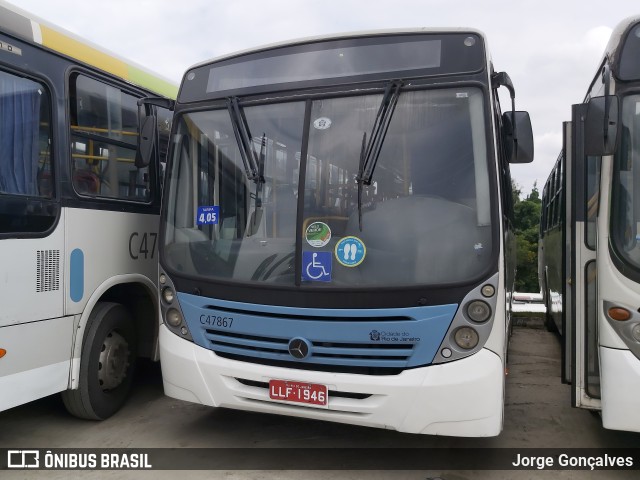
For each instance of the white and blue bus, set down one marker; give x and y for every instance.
(589, 251)
(78, 219)
(335, 236)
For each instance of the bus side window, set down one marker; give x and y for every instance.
(25, 138)
(26, 167)
(103, 140)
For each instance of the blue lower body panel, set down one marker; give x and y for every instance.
(337, 338)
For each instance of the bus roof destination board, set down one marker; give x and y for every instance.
(354, 58)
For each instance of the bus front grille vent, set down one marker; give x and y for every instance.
(334, 356)
(48, 270)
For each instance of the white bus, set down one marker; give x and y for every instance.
(78, 219)
(335, 237)
(589, 252)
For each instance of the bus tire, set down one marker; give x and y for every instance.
(107, 364)
(549, 323)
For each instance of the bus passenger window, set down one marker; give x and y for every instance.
(103, 140)
(25, 138)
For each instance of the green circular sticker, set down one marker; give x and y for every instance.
(318, 234)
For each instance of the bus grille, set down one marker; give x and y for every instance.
(360, 341)
(345, 357)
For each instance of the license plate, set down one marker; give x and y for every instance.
(299, 392)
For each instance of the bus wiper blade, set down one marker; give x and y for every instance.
(358, 178)
(244, 139)
(259, 181)
(379, 131)
(253, 163)
(370, 151)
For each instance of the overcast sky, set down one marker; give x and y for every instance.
(550, 48)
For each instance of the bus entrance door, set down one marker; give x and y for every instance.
(582, 311)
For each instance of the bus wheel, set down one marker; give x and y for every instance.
(549, 323)
(106, 364)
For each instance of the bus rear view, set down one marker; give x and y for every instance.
(333, 240)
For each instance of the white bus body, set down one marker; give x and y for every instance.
(78, 220)
(589, 266)
(297, 280)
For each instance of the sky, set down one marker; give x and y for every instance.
(549, 48)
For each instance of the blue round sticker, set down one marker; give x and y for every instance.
(350, 251)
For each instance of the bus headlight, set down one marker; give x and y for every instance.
(475, 318)
(168, 295)
(488, 290)
(478, 311)
(466, 337)
(173, 317)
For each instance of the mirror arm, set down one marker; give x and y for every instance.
(606, 78)
(502, 79)
(158, 102)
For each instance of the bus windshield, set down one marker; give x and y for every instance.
(625, 214)
(423, 219)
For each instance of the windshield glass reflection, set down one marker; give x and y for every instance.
(426, 215)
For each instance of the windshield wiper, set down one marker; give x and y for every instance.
(244, 139)
(253, 163)
(370, 150)
(257, 197)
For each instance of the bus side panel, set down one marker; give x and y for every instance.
(612, 285)
(37, 361)
(619, 368)
(104, 244)
(33, 331)
(554, 275)
(31, 273)
(620, 389)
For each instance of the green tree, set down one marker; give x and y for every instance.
(527, 221)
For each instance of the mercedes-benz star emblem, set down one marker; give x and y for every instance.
(299, 348)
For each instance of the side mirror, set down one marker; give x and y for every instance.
(519, 148)
(148, 128)
(146, 141)
(601, 126)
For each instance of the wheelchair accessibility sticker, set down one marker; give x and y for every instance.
(350, 251)
(316, 266)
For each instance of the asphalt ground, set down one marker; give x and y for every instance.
(538, 415)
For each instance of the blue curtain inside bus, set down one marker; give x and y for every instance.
(19, 129)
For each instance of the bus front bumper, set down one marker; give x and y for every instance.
(463, 398)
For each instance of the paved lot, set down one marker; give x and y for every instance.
(537, 415)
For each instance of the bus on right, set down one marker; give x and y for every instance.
(589, 249)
